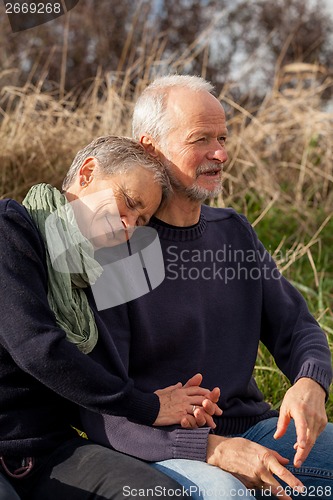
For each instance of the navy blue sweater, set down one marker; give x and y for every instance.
(43, 377)
(222, 294)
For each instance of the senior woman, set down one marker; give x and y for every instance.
(49, 321)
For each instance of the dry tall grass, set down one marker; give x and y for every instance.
(280, 165)
(281, 151)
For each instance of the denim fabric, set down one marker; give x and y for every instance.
(316, 473)
(210, 482)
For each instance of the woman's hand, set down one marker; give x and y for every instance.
(253, 464)
(202, 415)
(177, 404)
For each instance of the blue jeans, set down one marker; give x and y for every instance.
(212, 483)
(317, 471)
(204, 481)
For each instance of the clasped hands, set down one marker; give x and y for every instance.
(189, 405)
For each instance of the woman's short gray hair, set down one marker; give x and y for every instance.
(117, 155)
(150, 116)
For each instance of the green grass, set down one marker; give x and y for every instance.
(311, 274)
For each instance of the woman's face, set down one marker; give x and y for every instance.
(108, 209)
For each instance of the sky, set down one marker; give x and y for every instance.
(329, 4)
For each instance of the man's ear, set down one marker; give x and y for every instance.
(150, 145)
(87, 170)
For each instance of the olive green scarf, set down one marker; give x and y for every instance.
(70, 263)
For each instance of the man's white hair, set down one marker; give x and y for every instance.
(150, 116)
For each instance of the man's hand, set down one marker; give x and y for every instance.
(177, 402)
(252, 464)
(305, 403)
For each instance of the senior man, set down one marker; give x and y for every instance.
(221, 295)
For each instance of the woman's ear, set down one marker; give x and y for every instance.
(150, 145)
(87, 170)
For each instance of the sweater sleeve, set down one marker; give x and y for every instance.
(289, 331)
(147, 443)
(29, 333)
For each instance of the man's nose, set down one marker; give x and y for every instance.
(218, 153)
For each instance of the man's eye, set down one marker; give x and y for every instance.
(222, 139)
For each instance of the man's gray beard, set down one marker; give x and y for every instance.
(197, 193)
(194, 193)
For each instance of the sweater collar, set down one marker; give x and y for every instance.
(176, 233)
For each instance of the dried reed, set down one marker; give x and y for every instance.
(280, 157)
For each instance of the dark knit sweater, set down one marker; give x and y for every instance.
(42, 375)
(222, 294)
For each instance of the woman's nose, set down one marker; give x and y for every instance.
(129, 221)
(129, 225)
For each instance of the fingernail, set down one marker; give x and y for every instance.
(298, 463)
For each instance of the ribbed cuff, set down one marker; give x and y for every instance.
(191, 444)
(310, 370)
